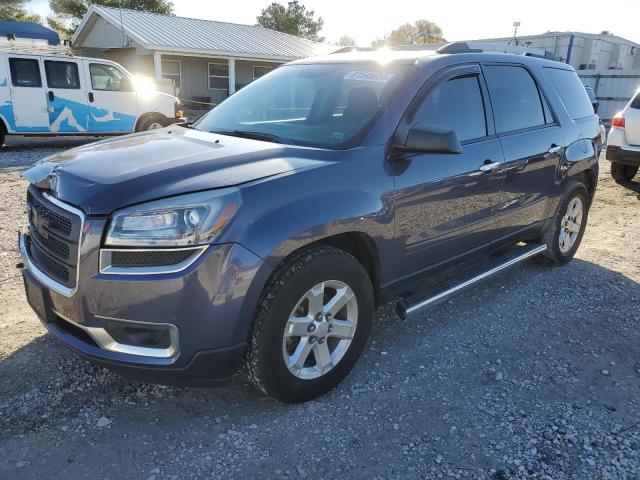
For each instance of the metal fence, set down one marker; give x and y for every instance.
(613, 89)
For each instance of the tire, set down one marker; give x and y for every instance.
(152, 122)
(559, 252)
(2, 135)
(623, 173)
(265, 359)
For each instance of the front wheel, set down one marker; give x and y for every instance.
(564, 233)
(623, 173)
(311, 326)
(152, 122)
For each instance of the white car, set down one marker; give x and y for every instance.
(52, 94)
(623, 143)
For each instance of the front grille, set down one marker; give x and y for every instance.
(54, 234)
(152, 258)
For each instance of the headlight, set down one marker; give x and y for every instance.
(185, 220)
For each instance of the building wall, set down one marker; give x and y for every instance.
(195, 76)
(587, 51)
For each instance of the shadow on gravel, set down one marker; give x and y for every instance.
(633, 186)
(529, 345)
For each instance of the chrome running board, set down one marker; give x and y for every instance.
(442, 294)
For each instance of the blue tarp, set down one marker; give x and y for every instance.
(29, 30)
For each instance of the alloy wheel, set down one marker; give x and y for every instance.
(570, 226)
(320, 329)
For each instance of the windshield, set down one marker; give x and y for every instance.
(322, 105)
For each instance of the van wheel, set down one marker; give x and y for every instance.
(564, 234)
(2, 137)
(311, 325)
(152, 122)
(623, 173)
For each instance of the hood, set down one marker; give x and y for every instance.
(104, 176)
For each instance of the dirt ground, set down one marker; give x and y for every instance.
(534, 374)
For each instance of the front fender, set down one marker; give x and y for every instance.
(280, 231)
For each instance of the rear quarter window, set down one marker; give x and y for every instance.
(571, 92)
(635, 103)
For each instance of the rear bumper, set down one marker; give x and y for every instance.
(623, 156)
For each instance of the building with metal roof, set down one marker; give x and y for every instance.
(206, 60)
(28, 31)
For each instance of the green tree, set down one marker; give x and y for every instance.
(295, 19)
(67, 14)
(421, 32)
(346, 41)
(16, 10)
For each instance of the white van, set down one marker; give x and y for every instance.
(49, 94)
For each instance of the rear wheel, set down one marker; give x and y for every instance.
(152, 122)
(2, 135)
(564, 234)
(312, 325)
(623, 173)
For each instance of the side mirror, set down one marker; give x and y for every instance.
(430, 139)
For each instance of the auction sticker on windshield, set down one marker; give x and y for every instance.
(378, 77)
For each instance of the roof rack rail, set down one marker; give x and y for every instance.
(353, 49)
(35, 48)
(458, 47)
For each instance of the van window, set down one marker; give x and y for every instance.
(635, 103)
(571, 91)
(62, 74)
(25, 72)
(515, 97)
(109, 78)
(456, 105)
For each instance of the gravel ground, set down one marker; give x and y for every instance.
(535, 374)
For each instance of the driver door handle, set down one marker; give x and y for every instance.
(489, 166)
(554, 150)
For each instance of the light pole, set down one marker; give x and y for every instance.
(515, 32)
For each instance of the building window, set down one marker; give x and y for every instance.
(218, 76)
(260, 70)
(172, 70)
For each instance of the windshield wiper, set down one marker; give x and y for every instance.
(267, 137)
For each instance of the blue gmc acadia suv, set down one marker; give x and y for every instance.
(263, 236)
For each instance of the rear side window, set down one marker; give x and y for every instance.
(25, 72)
(62, 74)
(515, 97)
(635, 103)
(456, 105)
(571, 91)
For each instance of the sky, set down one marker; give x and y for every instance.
(459, 19)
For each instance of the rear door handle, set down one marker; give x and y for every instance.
(489, 166)
(91, 97)
(51, 96)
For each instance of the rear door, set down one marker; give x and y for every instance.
(28, 99)
(66, 96)
(445, 205)
(532, 142)
(113, 102)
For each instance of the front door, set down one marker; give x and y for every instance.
(66, 96)
(28, 98)
(445, 203)
(113, 102)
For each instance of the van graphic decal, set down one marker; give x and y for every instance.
(69, 116)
